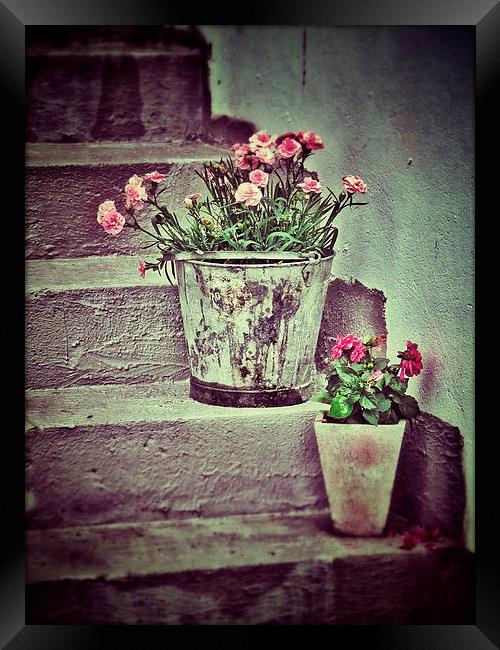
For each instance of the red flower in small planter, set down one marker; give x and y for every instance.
(411, 361)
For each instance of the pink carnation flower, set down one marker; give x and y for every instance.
(141, 267)
(310, 140)
(191, 199)
(241, 149)
(265, 155)
(246, 162)
(284, 136)
(112, 221)
(354, 184)
(248, 194)
(104, 208)
(309, 185)
(155, 177)
(262, 139)
(289, 148)
(259, 178)
(135, 193)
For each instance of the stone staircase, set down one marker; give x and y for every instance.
(144, 506)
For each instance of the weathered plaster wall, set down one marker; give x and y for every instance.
(395, 105)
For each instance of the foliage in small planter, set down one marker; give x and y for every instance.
(264, 200)
(364, 387)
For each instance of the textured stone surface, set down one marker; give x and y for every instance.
(66, 183)
(116, 94)
(145, 452)
(429, 488)
(350, 308)
(281, 569)
(95, 320)
(381, 99)
(101, 454)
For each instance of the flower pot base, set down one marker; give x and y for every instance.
(218, 395)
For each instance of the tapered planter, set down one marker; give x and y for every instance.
(251, 325)
(359, 464)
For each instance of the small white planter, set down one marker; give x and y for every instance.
(359, 464)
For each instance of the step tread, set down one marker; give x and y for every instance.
(119, 551)
(115, 404)
(93, 272)
(115, 49)
(119, 153)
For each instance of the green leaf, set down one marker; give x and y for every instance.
(384, 405)
(357, 367)
(398, 385)
(409, 407)
(389, 417)
(332, 384)
(367, 402)
(371, 417)
(348, 378)
(387, 378)
(354, 397)
(380, 363)
(340, 408)
(338, 364)
(395, 398)
(323, 396)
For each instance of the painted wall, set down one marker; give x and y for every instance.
(395, 105)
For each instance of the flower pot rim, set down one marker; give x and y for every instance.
(321, 414)
(281, 259)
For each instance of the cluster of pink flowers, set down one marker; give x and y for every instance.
(411, 361)
(352, 343)
(265, 149)
(136, 193)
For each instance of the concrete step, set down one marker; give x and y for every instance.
(96, 321)
(66, 183)
(117, 453)
(102, 454)
(68, 37)
(115, 84)
(254, 569)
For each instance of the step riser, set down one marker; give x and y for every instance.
(81, 98)
(194, 465)
(135, 334)
(62, 203)
(164, 470)
(108, 336)
(431, 588)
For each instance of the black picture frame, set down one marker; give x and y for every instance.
(484, 15)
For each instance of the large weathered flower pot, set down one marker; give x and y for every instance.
(251, 326)
(359, 464)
